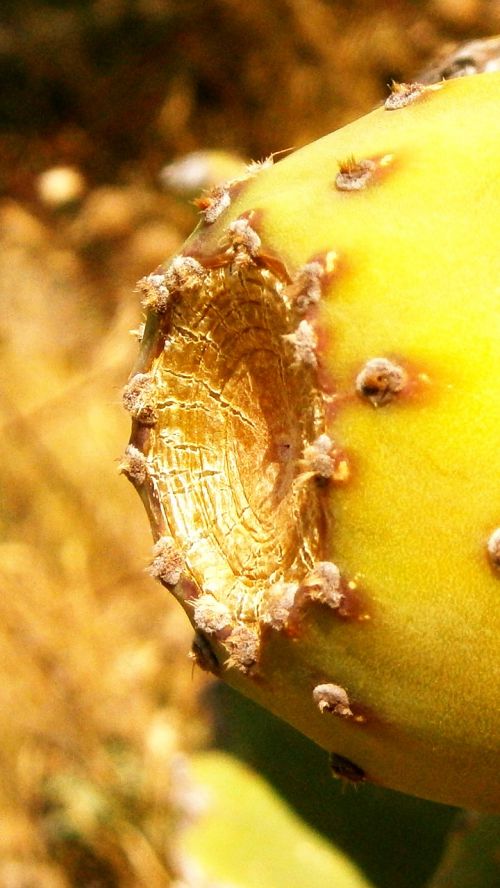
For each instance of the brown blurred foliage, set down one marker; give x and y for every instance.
(98, 701)
(113, 83)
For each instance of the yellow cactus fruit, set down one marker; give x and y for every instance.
(316, 439)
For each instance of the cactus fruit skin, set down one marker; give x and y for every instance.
(316, 407)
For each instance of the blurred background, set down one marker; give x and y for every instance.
(113, 115)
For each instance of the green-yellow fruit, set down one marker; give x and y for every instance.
(316, 439)
(225, 840)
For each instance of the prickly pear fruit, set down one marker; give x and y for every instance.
(315, 438)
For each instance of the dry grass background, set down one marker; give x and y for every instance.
(98, 701)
